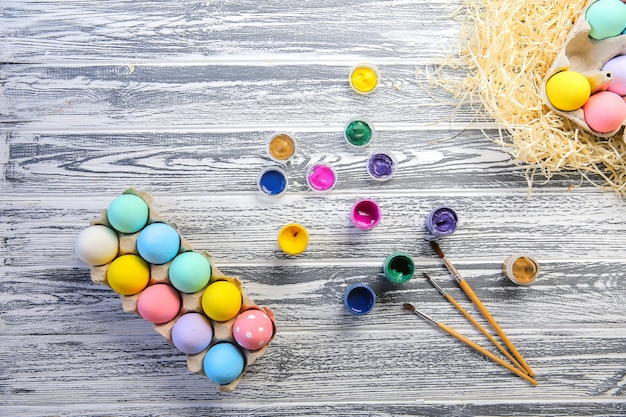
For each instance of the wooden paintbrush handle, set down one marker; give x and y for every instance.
(485, 352)
(481, 307)
(484, 331)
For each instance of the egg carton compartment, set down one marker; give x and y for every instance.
(587, 56)
(190, 302)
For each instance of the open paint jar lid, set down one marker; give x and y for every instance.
(521, 269)
(359, 132)
(281, 147)
(272, 181)
(364, 78)
(321, 177)
(382, 165)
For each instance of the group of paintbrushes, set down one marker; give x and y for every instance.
(517, 363)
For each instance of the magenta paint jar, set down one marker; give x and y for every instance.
(442, 221)
(366, 214)
(321, 177)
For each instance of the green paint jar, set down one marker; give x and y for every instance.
(399, 267)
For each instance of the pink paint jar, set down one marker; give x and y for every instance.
(321, 177)
(365, 214)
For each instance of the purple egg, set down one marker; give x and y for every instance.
(617, 68)
(192, 333)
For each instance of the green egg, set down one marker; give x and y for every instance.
(128, 213)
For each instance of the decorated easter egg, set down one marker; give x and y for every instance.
(158, 303)
(190, 272)
(253, 329)
(128, 213)
(158, 243)
(128, 274)
(223, 363)
(568, 90)
(96, 245)
(607, 18)
(192, 333)
(221, 300)
(617, 68)
(605, 111)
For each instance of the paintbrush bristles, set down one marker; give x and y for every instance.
(409, 307)
(437, 249)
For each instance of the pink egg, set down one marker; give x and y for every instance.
(158, 303)
(605, 111)
(253, 329)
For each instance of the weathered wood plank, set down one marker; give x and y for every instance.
(140, 30)
(166, 97)
(243, 227)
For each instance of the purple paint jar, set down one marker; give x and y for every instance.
(381, 165)
(442, 221)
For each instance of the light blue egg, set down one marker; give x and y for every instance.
(190, 272)
(158, 243)
(607, 18)
(128, 213)
(223, 363)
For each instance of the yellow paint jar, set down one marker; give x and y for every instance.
(364, 78)
(293, 239)
(281, 147)
(520, 269)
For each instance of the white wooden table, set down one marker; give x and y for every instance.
(178, 99)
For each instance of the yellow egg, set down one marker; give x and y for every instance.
(221, 301)
(128, 275)
(568, 90)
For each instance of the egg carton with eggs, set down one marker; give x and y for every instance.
(193, 305)
(586, 83)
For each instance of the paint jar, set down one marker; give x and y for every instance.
(359, 299)
(359, 132)
(365, 214)
(281, 147)
(442, 221)
(382, 165)
(272, 181)
(399, 267)
(321, 177)
(364, 78)
(520, 269)
(293, 239)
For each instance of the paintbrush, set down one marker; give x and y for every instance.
(470, 343)
(476, 324)
(481, 307)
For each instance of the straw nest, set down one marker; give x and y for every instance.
(505, 49)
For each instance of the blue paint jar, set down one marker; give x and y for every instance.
(272, 181)
(359, 299)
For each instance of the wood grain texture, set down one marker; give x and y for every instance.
(178, 99)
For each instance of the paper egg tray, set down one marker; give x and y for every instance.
(587, 56)
(222, 331)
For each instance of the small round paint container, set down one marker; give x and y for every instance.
(364, 78)
(442, 221)
(382, 165)
(365, 214)
(399, 267)
(359, 132)
(521, 269)
(281, 147)
(272, 181)
(321, 177)
(293, 239)
(359, 299)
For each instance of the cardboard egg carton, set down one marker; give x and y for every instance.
(159, 274)
(586, 56)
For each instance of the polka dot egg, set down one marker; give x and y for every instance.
(253, 329)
